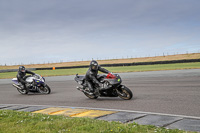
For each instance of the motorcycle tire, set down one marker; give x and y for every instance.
(22, 91)
(44, 89)
(90, 96)
(19, 88)
(124, 93)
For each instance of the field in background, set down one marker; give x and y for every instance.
(81, 71)
(113, 61)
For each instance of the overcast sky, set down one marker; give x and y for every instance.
(42, 31)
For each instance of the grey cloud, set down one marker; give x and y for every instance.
(60, 28)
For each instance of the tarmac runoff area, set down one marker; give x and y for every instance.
(187, 123)
(162, 92)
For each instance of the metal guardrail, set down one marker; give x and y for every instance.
(15, 70)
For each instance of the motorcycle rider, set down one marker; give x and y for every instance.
(21, 76)
(91, 75)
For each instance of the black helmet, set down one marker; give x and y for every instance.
(94, 65)
(22, 69)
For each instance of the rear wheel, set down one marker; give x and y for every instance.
(44, 89)
(19, 88)
(22, 91)
(90, 96)
(124, 93)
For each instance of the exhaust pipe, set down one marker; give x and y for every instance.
(79, 88)
(82, 90)
(16, 86)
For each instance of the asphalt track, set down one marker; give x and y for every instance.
(169, 92)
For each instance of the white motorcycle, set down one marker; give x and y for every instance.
(36, 84)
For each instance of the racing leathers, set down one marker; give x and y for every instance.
(91, 77)
(21, 77)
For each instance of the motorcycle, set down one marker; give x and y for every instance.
(111, 87)
(36, 83)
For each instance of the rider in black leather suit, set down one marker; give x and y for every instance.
(21, 76)
(91, 75)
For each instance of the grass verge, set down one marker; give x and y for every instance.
(141, 68)
(14, 121)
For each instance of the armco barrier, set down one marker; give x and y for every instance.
(128, 64)
(8, 70)
(111, 65)
(50, 68)
(15, 70)
(152, 63)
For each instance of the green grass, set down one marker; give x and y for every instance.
(26, 122)
(141, 68)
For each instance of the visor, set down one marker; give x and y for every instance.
(94, 67)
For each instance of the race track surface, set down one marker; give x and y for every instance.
(170, 92)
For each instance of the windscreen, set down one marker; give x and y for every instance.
(37, 76)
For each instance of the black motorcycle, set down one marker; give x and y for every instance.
(111, 84)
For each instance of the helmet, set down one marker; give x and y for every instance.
(22, 69)
(94, 65)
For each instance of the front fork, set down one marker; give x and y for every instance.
(119, 90)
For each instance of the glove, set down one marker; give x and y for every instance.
(110, 73)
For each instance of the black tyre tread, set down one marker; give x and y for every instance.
(47, 88)
(129, 91)
(91, 97)
(26, 92)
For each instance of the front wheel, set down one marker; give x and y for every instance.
(44, 89)
(124, 93)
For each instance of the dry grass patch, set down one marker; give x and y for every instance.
(113, 61)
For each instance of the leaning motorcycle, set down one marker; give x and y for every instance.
(111, 84)
(36, 84)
